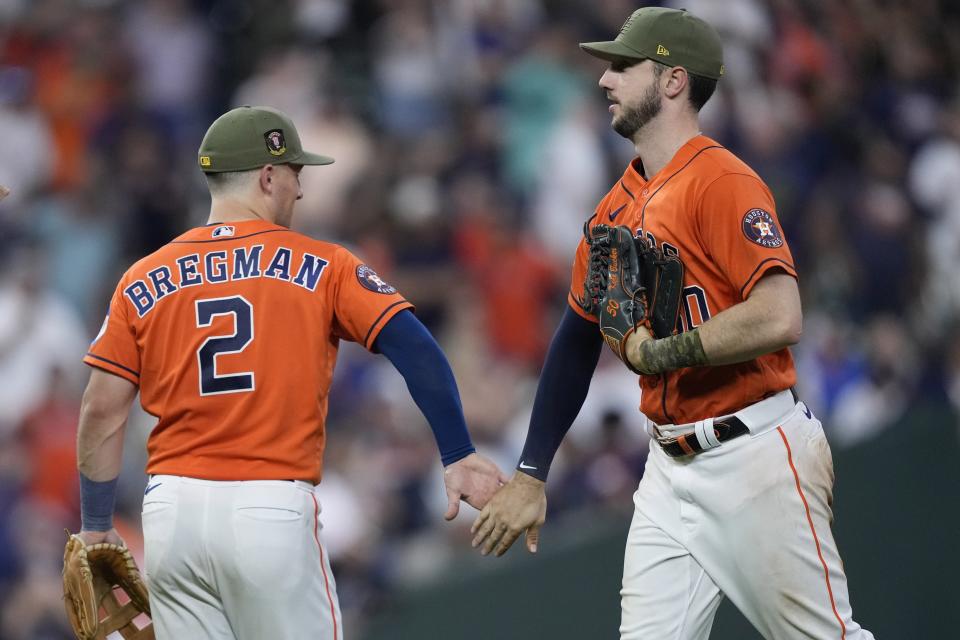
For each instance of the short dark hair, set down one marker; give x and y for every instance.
(222, 182)
(701, 87)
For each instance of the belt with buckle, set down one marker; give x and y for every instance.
(710, 433)
(688, 443)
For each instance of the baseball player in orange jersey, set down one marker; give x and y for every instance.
(736, 496)
(230, 334)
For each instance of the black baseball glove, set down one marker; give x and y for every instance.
(629, 283)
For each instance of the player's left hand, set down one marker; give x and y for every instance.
(4, 192)
(474, 479)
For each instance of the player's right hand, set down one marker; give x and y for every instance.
(4, 192)
(474, 479)
(521, 505)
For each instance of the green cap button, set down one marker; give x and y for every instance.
(675, 37)
(248, 138)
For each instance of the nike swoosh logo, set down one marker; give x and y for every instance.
(614, 214)
(524, 465)
(151, 488)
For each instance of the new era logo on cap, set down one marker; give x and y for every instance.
(673, 37)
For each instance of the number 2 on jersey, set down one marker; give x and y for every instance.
(242, 311)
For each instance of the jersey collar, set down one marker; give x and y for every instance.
(235, 228)
(633, 178)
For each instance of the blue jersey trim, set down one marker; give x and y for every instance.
(760, 266)
(228, 238)
(116, 364)
(366, 339)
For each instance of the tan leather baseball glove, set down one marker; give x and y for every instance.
(91, 578)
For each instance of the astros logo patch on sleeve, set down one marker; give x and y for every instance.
(370, 280)
(760, 227)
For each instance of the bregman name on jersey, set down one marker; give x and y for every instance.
(215, 267)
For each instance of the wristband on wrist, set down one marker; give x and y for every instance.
(669, 354)
(96, 503)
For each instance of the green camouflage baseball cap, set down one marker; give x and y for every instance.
(248, 138)
(675, 37)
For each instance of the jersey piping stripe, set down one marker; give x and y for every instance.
(632, 197)
(323, 566)
(228, 238)
(663, 397)
(116, 364)
(685, 165)
(643, 213)
(813, 530)
(366, 338)
(760, 266)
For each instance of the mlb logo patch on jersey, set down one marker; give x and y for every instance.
(223, 230)
(370, 280)
(760, 227)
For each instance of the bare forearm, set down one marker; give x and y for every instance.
(103, 420)
(769, 320)
(744, 332)
(100, 446)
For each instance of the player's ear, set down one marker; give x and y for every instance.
(676, 80)
(266, 178)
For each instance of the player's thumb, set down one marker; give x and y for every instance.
(533, 537)
(453, 505)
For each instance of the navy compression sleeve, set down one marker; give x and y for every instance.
(417, 356)
(564, 382)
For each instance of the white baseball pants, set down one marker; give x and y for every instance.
(749, 519)
(237, 560)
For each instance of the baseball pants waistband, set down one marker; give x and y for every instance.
(300, 484)
(694, 437)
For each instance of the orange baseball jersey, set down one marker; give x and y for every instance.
(710, 209)
(231, 332)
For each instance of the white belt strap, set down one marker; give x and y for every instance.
(705, 434)
(758, 417)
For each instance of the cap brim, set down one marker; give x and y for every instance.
(313, 159)
(611, 51)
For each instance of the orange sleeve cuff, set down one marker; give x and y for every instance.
(765, 266)
(572, 301)
(382, 321)
(110, 366)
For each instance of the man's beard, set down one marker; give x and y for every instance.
(635, 118)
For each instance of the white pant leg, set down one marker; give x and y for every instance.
(666, 594)
(274, 574)
(183, 599)
(760, 526)
(243, 561)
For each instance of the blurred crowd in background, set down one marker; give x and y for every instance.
(471, 142)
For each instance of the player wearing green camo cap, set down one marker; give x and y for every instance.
(674, 38)
(248, 138)
(736, 495)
